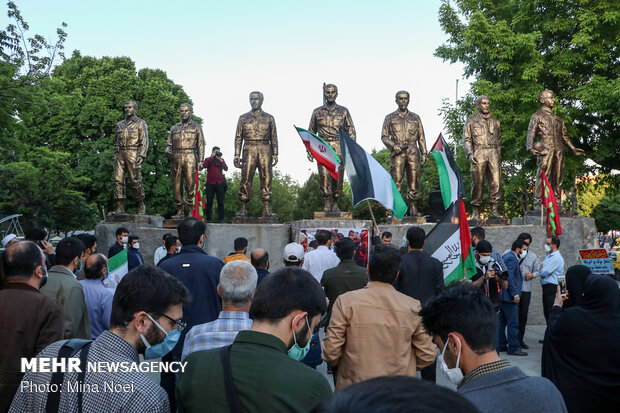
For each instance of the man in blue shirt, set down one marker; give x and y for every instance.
(200, 273)
(237, 284)
(98, 297)
(552, 268)
(134, 258)
(509, 305)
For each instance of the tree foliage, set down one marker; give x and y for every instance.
(514, 50)
(607, 213)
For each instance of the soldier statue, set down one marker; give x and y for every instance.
(256, 146)
(403, 134)
(325, 122)
(546, 137)
(482, 140)
(130, 147)
(185, 149)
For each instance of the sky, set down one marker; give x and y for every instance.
(220, 51)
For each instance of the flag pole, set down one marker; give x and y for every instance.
(372, 215)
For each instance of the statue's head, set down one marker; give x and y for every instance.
(402, 99)
(330, 92)
(186, 111)
(256, 100)
(547, 98)
(131, 108)
(483, 104)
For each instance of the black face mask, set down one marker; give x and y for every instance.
(43, 278)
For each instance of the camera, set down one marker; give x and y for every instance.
(492, 264)
(218, 153)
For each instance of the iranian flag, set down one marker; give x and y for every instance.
(450, 180)
(450, 242)
(321, 151)
(117, 268)
(551, 205)
(368, 179)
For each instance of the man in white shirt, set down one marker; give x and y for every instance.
(161, 251)
(322, 258)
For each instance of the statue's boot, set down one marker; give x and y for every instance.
(495, 213)
(267, 210)
(244, 210)
(327, 205)
(141, 208)
(475, 212)
(334, 206)
(119, 207)
(413, 211)
(180, 214)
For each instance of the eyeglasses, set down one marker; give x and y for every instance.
(181, 324)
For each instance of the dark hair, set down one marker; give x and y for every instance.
(146, 288)
(132, 238)
(214, 148)
(478, 232)
(35, 234)
(396, 394)
(20, 259)
(190, 230)
(383, 264)
(555, 241)
(88, 240)
(121, 230)
(98, 263)
(284, 291)
(259, 262)
(240, 243)
(416, 237)
(519, 243)
(386, 234)
(525, 236)
(170, 241)
(67, 249)
(345, 248)
(464, 309)
(322, 236)
(166, 235)
(484, 246)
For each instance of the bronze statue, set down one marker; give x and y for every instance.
(324, 122)
(482, 139)
(546, 137)
(403, 134)
(130, 147)
(256, 133)
(185, 149)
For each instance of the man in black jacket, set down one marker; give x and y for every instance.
(420, 277)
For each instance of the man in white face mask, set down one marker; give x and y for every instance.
(487, 278)
(122, 237)
(552, 268)
(463, 325)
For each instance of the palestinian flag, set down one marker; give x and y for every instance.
(368, 179)
(450, 180)
(117, 268)
(323, 153)
(551, 204)
(450, 242)
(199, 202)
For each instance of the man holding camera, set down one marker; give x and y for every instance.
(216, 183)
(509, 305)
(489, 276)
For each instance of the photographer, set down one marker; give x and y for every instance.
(489, 276)
(216, 183)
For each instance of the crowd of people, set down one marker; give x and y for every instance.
(250, 339)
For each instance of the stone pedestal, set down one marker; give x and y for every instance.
(256, 220)
(407, 220)
(337, 216)
(488, 222)
(152, 220)
(171, 223)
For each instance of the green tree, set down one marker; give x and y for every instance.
(514, 50)
(607, 213)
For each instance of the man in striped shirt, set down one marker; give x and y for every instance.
(237, 284)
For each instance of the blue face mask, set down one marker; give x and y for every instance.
(163, 348)
(296, 352)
